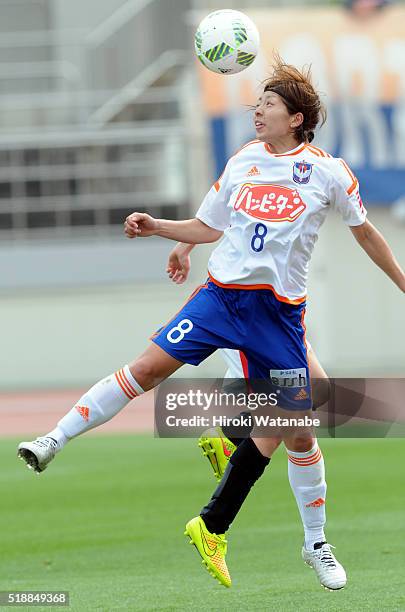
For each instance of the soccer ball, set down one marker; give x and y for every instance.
(227, 42)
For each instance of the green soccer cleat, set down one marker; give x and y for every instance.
(218, 448)
(212, 549)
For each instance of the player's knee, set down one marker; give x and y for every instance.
(321, 390)
(301, 442)
(144, 372)
(267, 446)
(275, 442)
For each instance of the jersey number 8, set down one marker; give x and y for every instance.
(257, 242)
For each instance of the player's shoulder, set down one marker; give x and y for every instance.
(328, 159)
(317, 152)
(253, 146)
(335, 166)
(321, 158)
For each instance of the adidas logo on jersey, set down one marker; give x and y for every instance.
(254, 171)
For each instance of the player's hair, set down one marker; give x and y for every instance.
(299, 95)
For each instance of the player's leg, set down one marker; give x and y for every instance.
(306, 470)
(189, 337)
(111, 394)
(101, 403)
(320, 383)
(284, 326)
(306, 473)
(275, 329)
(218, 444)
(207, 530)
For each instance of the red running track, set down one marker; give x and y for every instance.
(37, 412)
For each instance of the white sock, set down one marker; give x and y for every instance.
(103, 401)
(306, 473)
(59, 437)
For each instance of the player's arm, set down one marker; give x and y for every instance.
(178, 265)
(345, 196)
(191, 230)
(377, 248)
(211, 219)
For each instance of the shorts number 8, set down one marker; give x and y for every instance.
(184, 327)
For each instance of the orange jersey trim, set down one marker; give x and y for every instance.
(217, 184)
(256, 141)
(245, 368)
(317, 151)
(267, 147)
(244, 363)
(352, 187)
(304, 327)
(250, 287)
(314, 152)
(350, 173)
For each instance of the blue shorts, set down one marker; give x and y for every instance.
(270, 333)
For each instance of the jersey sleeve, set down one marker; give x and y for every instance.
(345, 194)
(214, 210)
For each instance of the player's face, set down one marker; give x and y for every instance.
(272, 119)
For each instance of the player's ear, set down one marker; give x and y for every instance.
(296, 120)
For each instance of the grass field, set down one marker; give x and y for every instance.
(106, 521)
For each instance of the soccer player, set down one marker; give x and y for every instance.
(309, 484)
(268, 205)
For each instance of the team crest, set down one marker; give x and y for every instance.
(302, 172)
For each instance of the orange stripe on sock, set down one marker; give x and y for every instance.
(306, 464)
(126, 383)
(125, 377)
(307, 460)
(123, 386)
(318, 450)
(315, 457)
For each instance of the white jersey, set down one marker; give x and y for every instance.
(270, 208)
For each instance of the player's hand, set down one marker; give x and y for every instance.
(178, 265)
(140, 225)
